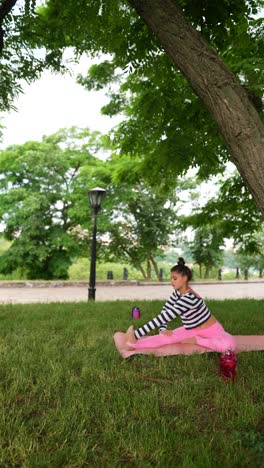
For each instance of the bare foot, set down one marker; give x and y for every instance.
(130, 335)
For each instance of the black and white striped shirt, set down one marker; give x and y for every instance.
(190, 308)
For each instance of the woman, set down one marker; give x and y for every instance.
(199, 325)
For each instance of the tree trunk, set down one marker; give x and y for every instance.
(207, 271)
(219, 89)
(148, 268)
(154, 263)
(141, 269)
(136, 264)
(200, 270)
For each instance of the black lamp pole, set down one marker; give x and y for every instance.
(96, 196)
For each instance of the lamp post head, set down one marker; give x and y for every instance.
(96, 197)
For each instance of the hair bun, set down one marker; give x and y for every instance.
(181, 261)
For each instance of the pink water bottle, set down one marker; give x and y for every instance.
(136, 313)
(228, 362)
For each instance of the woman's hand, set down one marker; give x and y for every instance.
(167, 332)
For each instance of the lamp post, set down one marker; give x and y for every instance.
(96, 196)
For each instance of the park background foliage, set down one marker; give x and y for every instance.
(47, 219)
(167, 142)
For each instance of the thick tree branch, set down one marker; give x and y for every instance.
(215, 84)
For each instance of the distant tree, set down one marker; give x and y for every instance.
(255, 258)
(259, 264)
(233, 210)
(230, 260)
(142, 230)
(43, 198)
(141, 219)
(244, 261)
(206, 249)
(179, 248)
(259, 257)
(46, 214)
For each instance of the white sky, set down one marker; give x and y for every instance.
(54, 102)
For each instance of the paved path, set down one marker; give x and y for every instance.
(224, 290)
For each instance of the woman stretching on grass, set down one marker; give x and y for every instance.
(199, 325)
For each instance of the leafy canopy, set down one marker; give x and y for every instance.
(163, 120)
(232, 211)
(47, 217)
(43, 197)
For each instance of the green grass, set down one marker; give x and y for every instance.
(69, 400)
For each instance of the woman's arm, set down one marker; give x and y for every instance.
(168, 313)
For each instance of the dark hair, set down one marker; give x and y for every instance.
(182, 268)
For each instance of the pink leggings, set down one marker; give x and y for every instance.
(213, 337)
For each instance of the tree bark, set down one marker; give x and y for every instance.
(136, 264)
(156, 269)
(207, 271)
(148, 269)
(140, 267)
(219, 89)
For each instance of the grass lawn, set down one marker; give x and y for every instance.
(69, 400)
